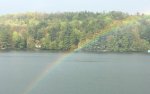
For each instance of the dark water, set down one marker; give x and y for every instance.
(79, 73)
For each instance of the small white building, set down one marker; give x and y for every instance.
(148, 51)
(38, 46)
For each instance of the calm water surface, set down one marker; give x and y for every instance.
(78, 73)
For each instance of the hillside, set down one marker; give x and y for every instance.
(113, 31)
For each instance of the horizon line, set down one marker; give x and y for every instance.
(56, 12)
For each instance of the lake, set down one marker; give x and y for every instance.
(23, 72)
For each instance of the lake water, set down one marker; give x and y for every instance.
(78, 73)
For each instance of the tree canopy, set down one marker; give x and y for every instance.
(111, 31)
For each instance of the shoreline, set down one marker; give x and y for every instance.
(71, 51)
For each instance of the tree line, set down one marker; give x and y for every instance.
(69, 30)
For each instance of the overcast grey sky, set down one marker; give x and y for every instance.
(17, 6)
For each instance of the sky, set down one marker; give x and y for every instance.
(52, 6)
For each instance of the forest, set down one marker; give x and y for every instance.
(112, 31)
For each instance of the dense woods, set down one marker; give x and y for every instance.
(112, 31)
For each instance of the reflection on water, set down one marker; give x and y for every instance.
(78, 73)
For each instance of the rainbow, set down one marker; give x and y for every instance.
(114, 25)
(45, 72)
(84, 42)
